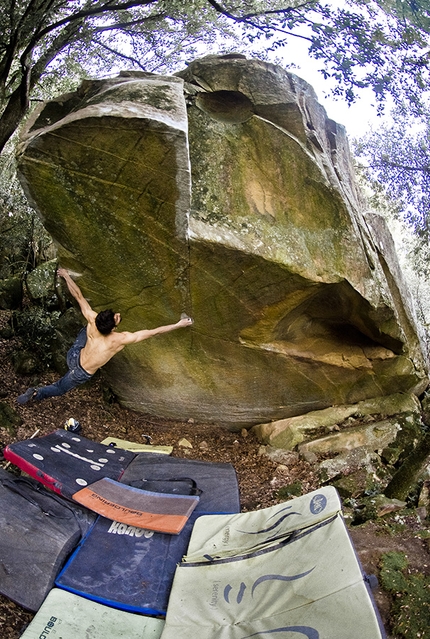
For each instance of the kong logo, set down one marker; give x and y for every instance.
(116, 528)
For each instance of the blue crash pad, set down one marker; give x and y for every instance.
(126, 567)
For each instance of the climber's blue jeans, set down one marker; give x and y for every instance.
(75, 376)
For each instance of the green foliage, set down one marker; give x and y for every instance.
(364, 45)
(414, 11)
(25, 242)
(397, 158)
(9, 419)
(291, 490)
(35, 326)
(395, 162)
(410, 613)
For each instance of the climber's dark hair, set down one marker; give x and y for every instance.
(105, 321)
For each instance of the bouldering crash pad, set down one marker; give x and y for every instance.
(216, 482)
(126, 567)
(38, 531)
(288, 570)
(157, 511)
(67, 616)
(65, 461)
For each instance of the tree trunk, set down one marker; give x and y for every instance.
(409, 472)
(12, 116)
(19, 101)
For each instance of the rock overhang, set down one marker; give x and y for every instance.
(225, 192)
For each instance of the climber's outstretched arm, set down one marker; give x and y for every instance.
(138, 336)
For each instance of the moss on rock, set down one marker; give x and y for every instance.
(411, 602)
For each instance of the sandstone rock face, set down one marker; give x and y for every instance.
(291, 432)
(227, 193)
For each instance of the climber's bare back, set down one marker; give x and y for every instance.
(99, 348)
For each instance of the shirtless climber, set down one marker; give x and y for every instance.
(95, 345)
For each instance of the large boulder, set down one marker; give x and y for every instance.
(226, 192)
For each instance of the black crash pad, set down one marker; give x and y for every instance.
(38, 531)
(216, 483)
(67, 462)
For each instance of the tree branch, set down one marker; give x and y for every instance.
(120, 55)
(261, 27)
(124, 25)
(78, 18)
(403, 167)
(81, 15)
(257, 14)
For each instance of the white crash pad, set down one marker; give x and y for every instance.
(64, 615)
(287, 571)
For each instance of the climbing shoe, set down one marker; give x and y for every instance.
(28, 396)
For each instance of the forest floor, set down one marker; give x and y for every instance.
(259, 478)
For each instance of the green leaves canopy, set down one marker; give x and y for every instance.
(397, 158)
(382, 45)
